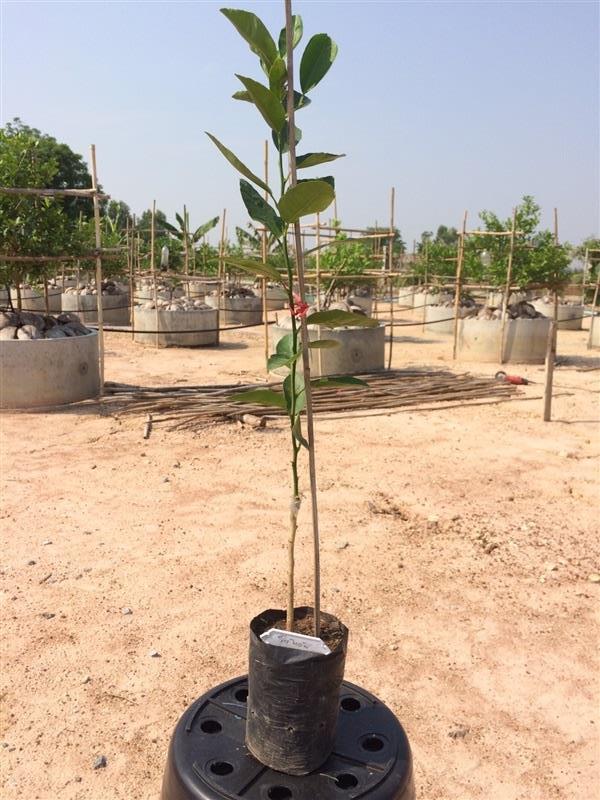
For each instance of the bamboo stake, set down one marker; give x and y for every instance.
(46, 298)
(459, 268)
(221, 274)
(98, 234)
(264, 259)
(506, 297)
(391, 264)
(318, 262)
(550, 359)
(153, 272)
(131, 266)
(303, 326)
(556, 227)
(583, 276)
(186, 254)
(594, 306)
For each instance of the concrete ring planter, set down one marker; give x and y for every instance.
(48, 372)
(32, 300)
(495, 299)
(173, 326)
(237, 310)
(435, 313)
(360, 350)
(570, 317)
(421, 298)
(276, 298)
(115, 307)
(365, 303)
(525, 340)
(594, 340)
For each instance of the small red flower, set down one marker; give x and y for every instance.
(299, 308)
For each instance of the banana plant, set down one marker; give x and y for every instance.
(189, 239)
(278, 210)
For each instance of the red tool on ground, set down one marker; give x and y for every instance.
(517, 380)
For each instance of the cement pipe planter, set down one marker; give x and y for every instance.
(428, 298)
(115, 307)
(48, 372)
(364, 303)
(277, 298)
(594, 338)
(495, 299)
(570, 317)
(33, 300)
(360, 350)
(406, 296)
(525, 340)
(145, 293)
(440, 319)
(237, 310)
(178, 328)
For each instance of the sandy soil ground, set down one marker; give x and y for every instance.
(458, 545)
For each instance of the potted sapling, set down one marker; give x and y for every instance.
(272, 734)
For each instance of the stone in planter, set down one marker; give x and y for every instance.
(237, 306)
(570, 315)
(115, 305)
(46, 361)
(181, 322)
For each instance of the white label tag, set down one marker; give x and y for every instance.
(296, 641)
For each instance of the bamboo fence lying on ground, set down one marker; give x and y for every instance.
(193, 407)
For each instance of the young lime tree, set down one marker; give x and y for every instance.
(279, 210)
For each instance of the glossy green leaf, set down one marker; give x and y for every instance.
(341, 319)
(239, 165)
(317, 58)
(266, 101)
(171, 228)
(327, 178)
(281, 140)
(297, 31)
(259, 209)
(277, 75)
(308, 197)
(341, 382)
(277, 362)
(260, 397)
(300, 393)
(253, 30)
(179, 219)
(253, 267)
(285, 346)
(300, 101)
(313, 159)
(242, 95)
(324, 344)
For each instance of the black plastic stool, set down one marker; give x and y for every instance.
(208, 759)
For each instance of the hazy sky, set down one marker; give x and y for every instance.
(458, 105)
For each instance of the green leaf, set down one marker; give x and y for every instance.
(260, 397)
(171, 228)
(277, 75)
(324, 344)
(276, 362)
(342, 381)
(180, 221)
(281, 140)
(253, 267)
(297, 432)
(266, 101)
(317, 58)
(341, 319)
(297, 31)
(300, 101)
(308, 197)
(204, 229)
(300, 393)
(327, 178)
(242, 95)
(285, 346)
(259, 209)
(313, 159)
(253, 30)
(234, 161)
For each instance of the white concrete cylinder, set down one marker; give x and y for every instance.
(276, 297)
(525, 340)
(429, 298)
(366, 303)
(237, 310)
(570, 317)
(173, 326)
(435, 313)
(33, 300)
(360, 350)
(495, 299)
(115, 307)
(594, 339)
(48, 372)
(406, 296)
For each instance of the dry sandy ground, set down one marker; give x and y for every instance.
(457, 545)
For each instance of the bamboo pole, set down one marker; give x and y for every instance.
(550, 359)
(54, 192)
(390, 266)
(46, 298)
(594, 306)
(264, 259)
(98, 233)
(318, 263)
(186, 253)
(506, 297)
(459, 269)
(304, 327)
(221, 271)
(584, 273)
(556, 227)
(153, 272)
(131, 267)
